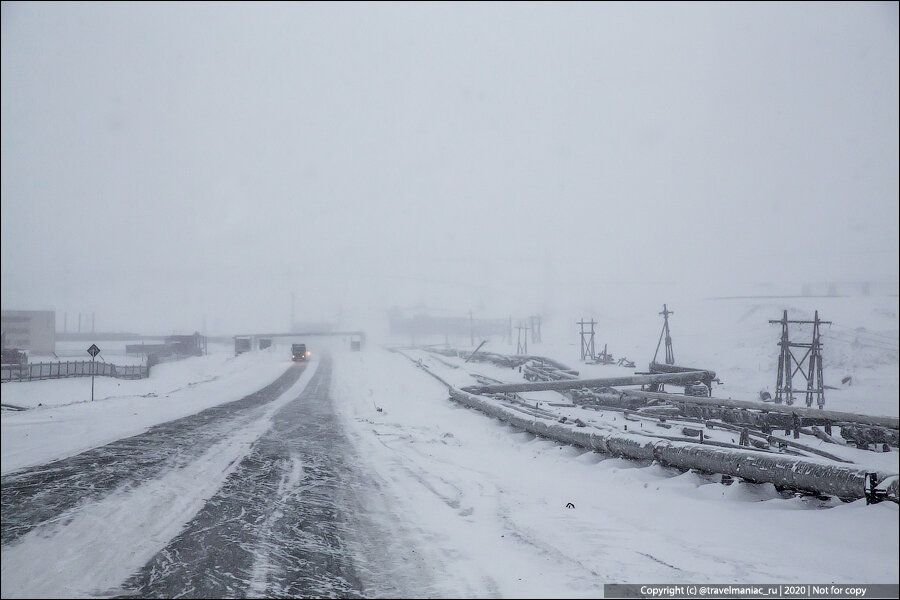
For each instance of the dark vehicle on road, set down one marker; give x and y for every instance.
(299, 352)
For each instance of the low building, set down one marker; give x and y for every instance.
(31, 330)
(188, 345)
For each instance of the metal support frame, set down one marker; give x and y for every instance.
(522, 341)
(809, 365)
(605, 358)
(874, 494)
(587, 339)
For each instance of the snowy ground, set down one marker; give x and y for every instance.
(64, 421)
(361, 478)
(489, 504)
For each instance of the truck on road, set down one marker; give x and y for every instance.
(299, 352)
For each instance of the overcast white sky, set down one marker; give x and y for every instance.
(162, 163)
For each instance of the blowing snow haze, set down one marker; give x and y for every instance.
(166, 164)
(449, 300)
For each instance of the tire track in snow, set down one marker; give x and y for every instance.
(100, 542)
(280, 523)
(45, 494)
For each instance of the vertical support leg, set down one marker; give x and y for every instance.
(820, 382)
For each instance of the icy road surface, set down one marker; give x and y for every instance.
(277, 525)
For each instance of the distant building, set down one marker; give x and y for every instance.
(31, 330)
(175, 346)
(188, 345)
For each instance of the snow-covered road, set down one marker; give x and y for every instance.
(277, 525)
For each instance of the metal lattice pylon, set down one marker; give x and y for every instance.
(809, 365)
(587, 339)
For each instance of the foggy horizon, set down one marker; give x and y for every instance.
(168, 166)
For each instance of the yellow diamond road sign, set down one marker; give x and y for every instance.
(93, 350)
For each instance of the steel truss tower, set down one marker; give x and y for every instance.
(809, 365)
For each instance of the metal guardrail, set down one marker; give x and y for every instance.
(65, 369)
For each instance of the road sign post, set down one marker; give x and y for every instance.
(93, 351)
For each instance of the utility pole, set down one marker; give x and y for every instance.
(293, 319)
(93, 315)
(471, 329)
(670, 355)
(587, 339)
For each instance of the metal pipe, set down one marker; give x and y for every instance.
(844, 482)
(573, 384)
(656, 367)
(810, 413)
(476, 349)
(806, 475)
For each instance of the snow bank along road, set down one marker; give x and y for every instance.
(64, 422)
